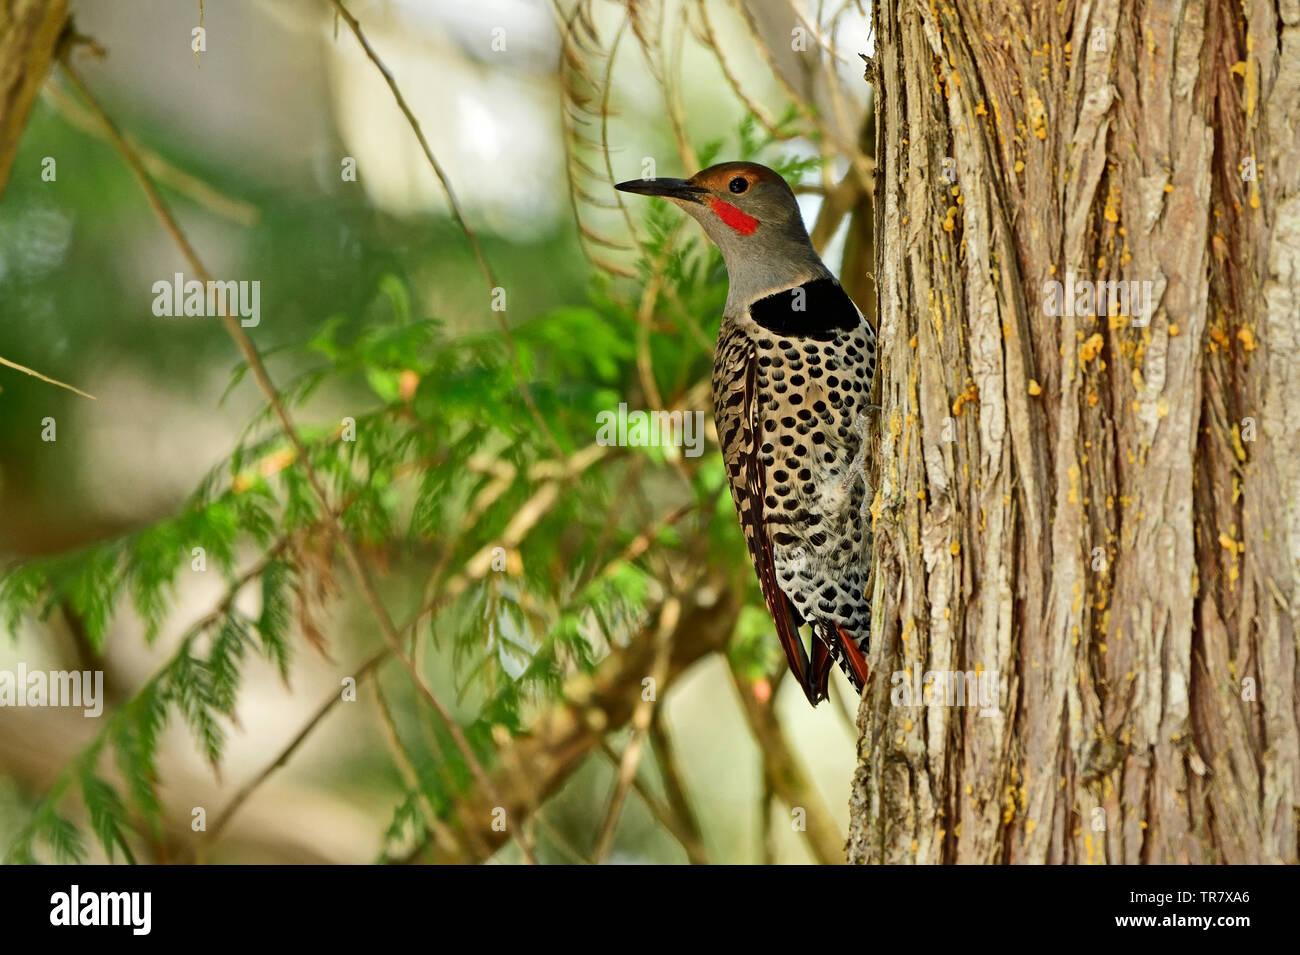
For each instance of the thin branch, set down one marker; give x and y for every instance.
(679, 803)
(351, 552)
(440, 830)
(663, 813)
(862, 165)
(408, 631)
(286, 754)
(596, 704)
(668, 618)
(189, 185)
(754, 107)
(561, 843)
(36, 374)
(788, 778)
(814, 28)
(458, 215)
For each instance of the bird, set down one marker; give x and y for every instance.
(792, 375)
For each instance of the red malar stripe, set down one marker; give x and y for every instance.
(733, 217)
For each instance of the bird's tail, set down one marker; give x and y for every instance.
(832, 643)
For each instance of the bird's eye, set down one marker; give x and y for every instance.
(738, 185)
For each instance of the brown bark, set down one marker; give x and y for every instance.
(1104, 514)
(29, 35)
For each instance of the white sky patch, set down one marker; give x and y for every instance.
(529, 27)
(495, 137)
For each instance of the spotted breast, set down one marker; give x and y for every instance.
(791, 383)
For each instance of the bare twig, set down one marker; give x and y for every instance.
(458, 215)
(173, 177)
(755, 108)
(594, 705)
(788, 778)
(440, 830)
(351, 552)
(677, 827)
(408, 631)
(286, 754)
(668, 617)
(679, 804)
(36, 374)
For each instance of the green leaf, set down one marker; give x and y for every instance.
(273, 623)
(107, 814)
(398, 297)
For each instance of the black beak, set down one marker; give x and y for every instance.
(667, 188)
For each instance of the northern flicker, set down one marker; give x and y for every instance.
(792, 377)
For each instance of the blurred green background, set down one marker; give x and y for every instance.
(246, 141)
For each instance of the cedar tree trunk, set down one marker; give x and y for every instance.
(1098, 508)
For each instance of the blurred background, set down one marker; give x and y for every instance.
(537, 578)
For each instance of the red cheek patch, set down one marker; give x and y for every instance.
(733, 217)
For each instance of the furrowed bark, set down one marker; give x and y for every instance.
(1104, 513)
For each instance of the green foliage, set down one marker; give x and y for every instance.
(446, 457)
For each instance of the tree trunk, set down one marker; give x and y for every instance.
(1102, 514)
(29, 34)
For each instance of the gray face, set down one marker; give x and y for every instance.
(731, 200)
(750, 213)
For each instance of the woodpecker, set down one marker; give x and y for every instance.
(792, 377)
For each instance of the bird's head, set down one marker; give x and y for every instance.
(751, 215)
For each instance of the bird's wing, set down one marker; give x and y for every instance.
(736, 412)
